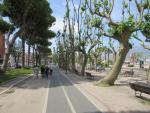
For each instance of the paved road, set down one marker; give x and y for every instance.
(63, 97)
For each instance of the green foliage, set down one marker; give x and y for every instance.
(5, 27)
(126, 26)
(130, 65)
(32, 16)
(13, 73)
(146, 4)
(83, 8)
(105, 2)
(125, 5)
(145, 26)
(67, 12)
(26, 67)
(42, 66)
(96, 22)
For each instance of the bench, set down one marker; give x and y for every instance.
(89, 76)
(129, 73)
(140, 87)
(100, 69)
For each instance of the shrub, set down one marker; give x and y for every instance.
(130, 65)
(27, 67)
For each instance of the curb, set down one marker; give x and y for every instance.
(11, 86)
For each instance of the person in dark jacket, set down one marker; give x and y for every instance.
(51, 71)
(46, 71)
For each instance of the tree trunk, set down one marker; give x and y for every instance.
(23, 52)
(113, 74)
(7, 53)
(73, 61)
(39, 58)
(115, 55)
(15, 57)
(108, 58)
(33, 56)
(84, 64)
(105, 57)
(96, 63)
(36, 58)
(29, 55)
(6, 58)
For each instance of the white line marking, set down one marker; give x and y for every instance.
(102, 110)
(46, 97)
(67, 97)
(11, 86)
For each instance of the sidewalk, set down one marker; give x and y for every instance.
(4, 86)
(26, 97)
(115, 99)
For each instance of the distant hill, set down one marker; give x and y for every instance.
(139, 49)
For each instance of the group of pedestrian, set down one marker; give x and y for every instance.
(45, 71)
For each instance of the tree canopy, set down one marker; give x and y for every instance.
(28, 19)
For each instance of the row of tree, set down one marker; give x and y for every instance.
(28, 20)
(94, 20)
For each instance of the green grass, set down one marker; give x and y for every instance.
(13, 73)
(144, 100)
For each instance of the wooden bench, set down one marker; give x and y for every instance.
(100, 69)
(89, 76)
(140, 87)
(129, 73)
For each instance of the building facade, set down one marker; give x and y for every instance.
(2, 46)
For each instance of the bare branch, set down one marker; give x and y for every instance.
(112, 7)
(141, 12)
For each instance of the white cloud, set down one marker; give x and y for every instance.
(58, 25)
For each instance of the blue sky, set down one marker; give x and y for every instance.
(58, 7)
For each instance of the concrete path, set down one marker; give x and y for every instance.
(26, 97)
(4, 86)
(69, 94)
(115, 99)
(63, 97)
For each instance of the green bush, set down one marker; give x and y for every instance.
(130, 65)
(42, 66)
(27, 67)
(13, 73)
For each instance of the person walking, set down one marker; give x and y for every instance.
(46, 71)
(51, 71)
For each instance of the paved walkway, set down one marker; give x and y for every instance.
(119, 99)
(5, 85)
(70, 94)
(26, 97)
(64, 97)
